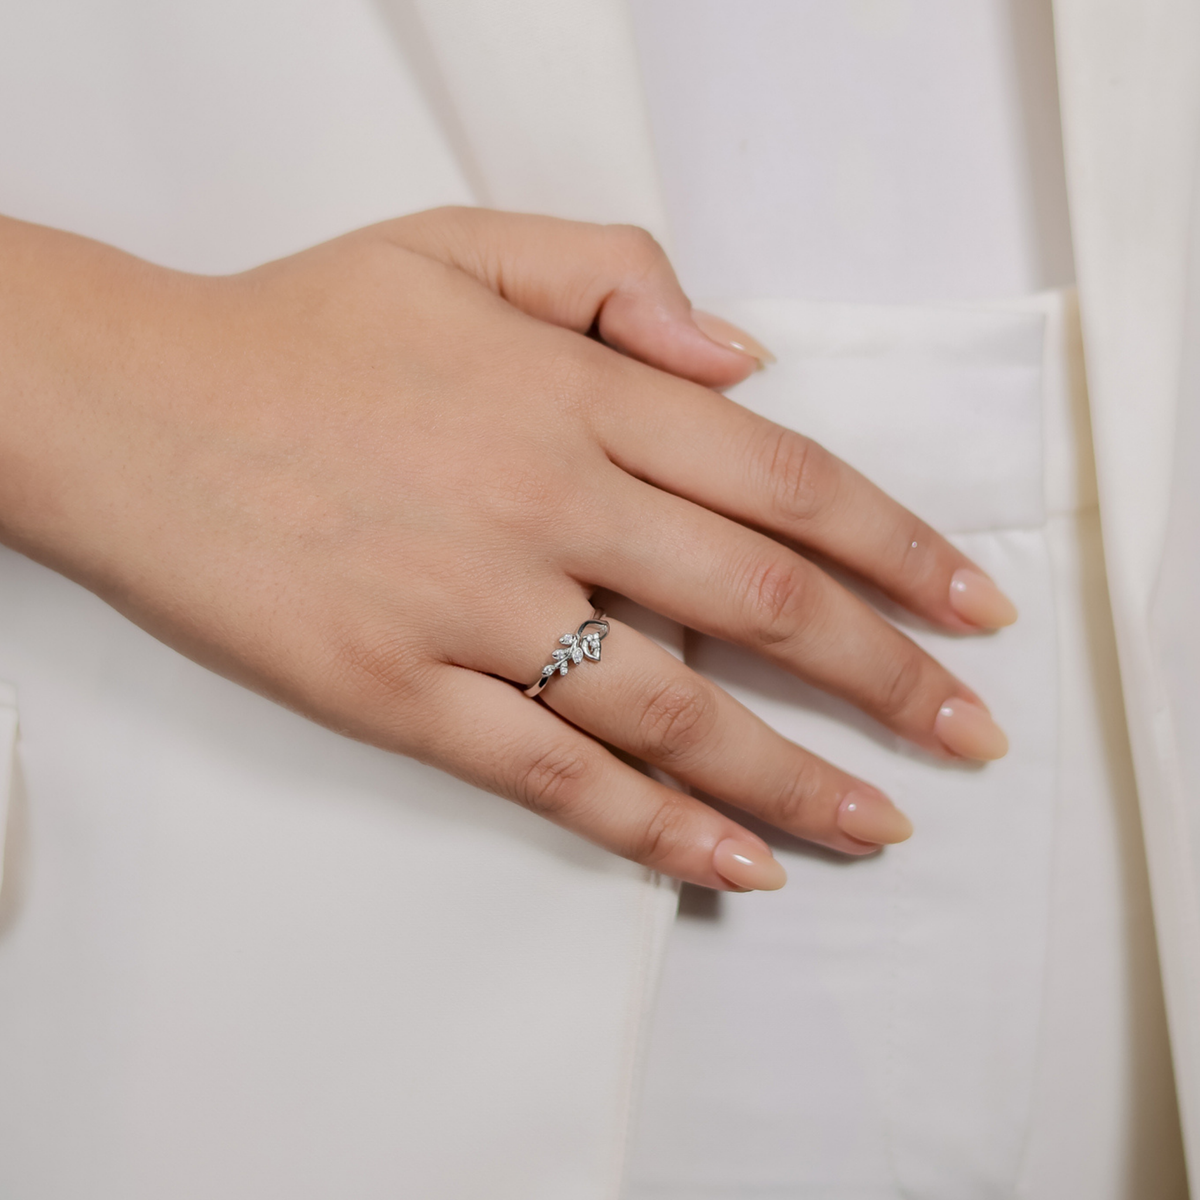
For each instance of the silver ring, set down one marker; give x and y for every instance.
(573, 649)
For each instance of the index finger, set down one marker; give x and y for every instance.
(708, 449)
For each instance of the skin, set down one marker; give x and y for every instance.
(327, 477)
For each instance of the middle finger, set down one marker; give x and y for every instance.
(720, 578)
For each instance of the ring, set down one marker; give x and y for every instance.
(573, 649)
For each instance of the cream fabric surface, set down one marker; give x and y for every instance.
(882, 151)
(1131, 118)
(1175, 641)
(899, 152)
(8, 746)
(231, 962)
(900, 996)
(909, 1025)
(227, 966)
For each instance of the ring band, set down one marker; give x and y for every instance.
(573, 649)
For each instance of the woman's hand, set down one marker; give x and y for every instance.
(378, 479)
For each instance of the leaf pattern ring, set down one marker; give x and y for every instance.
(573, 649)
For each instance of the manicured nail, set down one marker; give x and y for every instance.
(977, 599)
(967, 729)
(748, 865)
(730, 336)
(871, 817)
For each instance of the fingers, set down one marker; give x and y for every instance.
(516, 747)
(614, 278)
(643, 700)
(716, 576)
(648, 703)
(704, 447)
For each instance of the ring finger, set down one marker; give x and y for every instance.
(644, 701)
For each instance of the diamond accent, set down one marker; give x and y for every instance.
(572, 649)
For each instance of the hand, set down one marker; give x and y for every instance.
(378, 479)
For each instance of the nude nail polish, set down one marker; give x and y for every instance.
(967, 729)
(870, 816)
(730, 336)
(748, 865)
(977, 599)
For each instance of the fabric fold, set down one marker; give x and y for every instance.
(8, 748)
(1131, 136)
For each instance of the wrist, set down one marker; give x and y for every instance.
(80, 327)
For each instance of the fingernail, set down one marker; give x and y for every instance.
(967, 729)
(871, 817)
(977, 599)
(730, 336)
(748, 865)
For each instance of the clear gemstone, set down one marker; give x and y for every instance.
(567, 639)
(562, 668)
(577, 654)
(547, 670)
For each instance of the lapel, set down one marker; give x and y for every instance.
(1129, 83)
(542, 101)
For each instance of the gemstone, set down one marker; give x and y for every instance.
(547, 670)
(577, 654)
(562, 668)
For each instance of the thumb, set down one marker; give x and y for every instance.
(615, 279)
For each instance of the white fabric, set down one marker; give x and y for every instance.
(211, 138)
(1131, 115)
(547, 103)
(888, 1027)
(231, 962)
(239, 967)
(882, 151)
(900, 995)
(890, 151)
(8, 746)
(232, 969)
(1176, 644)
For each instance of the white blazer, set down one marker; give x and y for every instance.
(1130, 92)
(533, 975)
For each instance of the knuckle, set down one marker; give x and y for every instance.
(663, 832)
(797, 475)
(549, 783)
(794, 805)
(899, 684)
(676, 719)
(781, 600)
(387, 666)
(634, 247)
